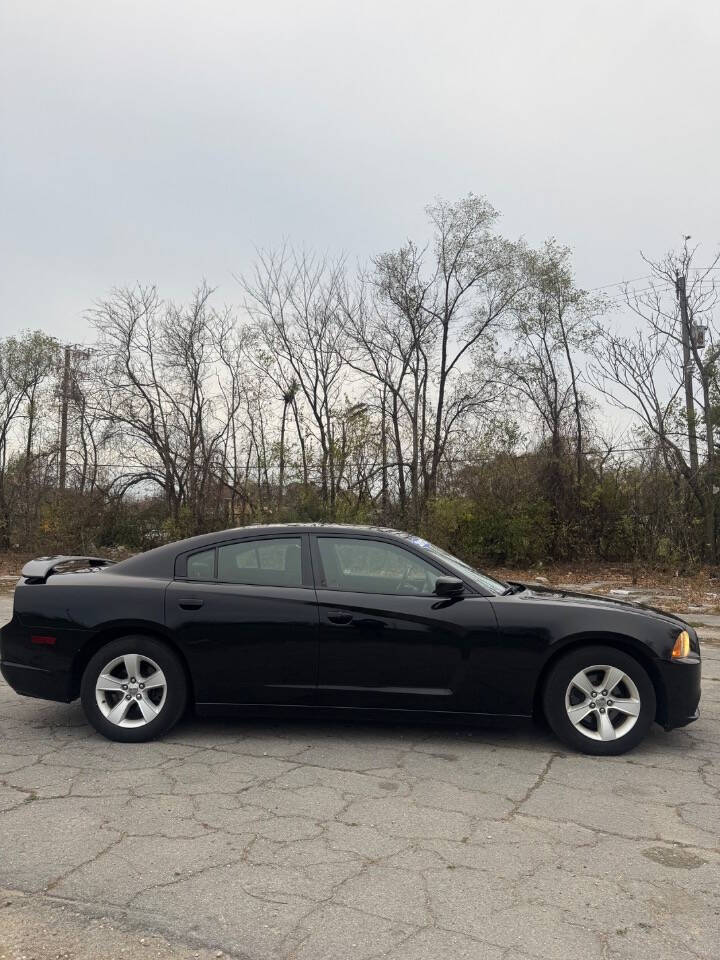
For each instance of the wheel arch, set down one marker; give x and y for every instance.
(626, 644)
(115, 631)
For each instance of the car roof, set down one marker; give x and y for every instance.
(160, 562)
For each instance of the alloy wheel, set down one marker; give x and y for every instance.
(131, 690)
(602, 702)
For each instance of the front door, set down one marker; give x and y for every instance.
(386, 640)
(246, 615)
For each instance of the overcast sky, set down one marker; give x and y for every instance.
(158, 140)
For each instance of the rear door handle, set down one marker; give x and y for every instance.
(340, 618)
(190, 603)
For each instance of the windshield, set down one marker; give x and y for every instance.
(485, 582)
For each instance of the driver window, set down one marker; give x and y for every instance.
(370, 566)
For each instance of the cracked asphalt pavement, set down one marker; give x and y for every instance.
(329, 841)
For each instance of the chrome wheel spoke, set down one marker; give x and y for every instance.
(631, 706)
(156, 679)
(613, 676)
(132, 665)
(147, 709)
(579, 712)
(106, 682)
(582, 683)
(119, 711)
(605, 727)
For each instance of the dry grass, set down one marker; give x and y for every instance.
(675, 591)
(12, 563)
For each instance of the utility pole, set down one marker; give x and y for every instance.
(687, 372)
(64, 403)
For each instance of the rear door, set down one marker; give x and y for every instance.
(386, 640)
(245, 612)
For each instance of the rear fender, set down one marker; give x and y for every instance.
(113, 632)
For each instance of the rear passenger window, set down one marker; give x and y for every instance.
(267, 563)
(201, 566)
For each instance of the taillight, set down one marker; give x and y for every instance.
(43, 639)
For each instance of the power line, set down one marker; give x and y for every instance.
(620, 283)
(661, 287)
(647, 276)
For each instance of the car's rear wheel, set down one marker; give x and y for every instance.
(133, 689)
(599, 700)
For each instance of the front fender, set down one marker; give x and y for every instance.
(534, 632)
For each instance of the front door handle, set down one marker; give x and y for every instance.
(340, 618)
(190, 603)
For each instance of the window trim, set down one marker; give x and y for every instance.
(321, 580)
(181, 561)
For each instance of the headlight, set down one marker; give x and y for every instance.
(682, 646)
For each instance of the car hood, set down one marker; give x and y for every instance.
(593, 601)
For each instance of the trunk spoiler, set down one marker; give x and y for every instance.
(38, 571)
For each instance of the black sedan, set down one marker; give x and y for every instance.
(334, 618)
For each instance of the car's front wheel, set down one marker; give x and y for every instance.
(133, 689)
(599, 700)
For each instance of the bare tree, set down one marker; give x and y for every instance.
(26, 363)
(553, 327)
(456, 294)
(159, 369)
(632, 372)
(296, 302)
(690, 360)
(390, 349)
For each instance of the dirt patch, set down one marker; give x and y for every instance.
(674, 857)
(45, 930)
(12, 563)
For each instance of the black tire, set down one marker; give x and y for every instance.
(171, 704)
(556, 689)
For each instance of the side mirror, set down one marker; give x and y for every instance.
(449, 587)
